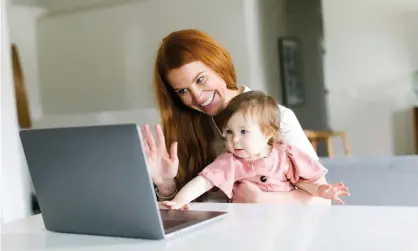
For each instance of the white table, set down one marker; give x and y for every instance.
(249, 227)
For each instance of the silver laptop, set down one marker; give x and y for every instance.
(94, 180)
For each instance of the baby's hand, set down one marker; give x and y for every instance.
(333, 191)
(173, 205)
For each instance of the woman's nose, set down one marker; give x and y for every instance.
(197, 95)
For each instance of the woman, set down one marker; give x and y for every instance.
(194, 78)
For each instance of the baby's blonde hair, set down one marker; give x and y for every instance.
(256, 105)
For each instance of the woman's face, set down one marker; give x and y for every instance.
(200, 88)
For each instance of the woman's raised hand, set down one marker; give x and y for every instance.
(163, 165)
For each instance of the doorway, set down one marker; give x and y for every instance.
(304, 21)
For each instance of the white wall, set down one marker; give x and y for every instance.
(32, 3)
(96, 64)
(369, 69)
(102, 60)
(57, 7)
(15, 187)
(23, 34)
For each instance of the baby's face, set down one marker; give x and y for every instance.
(244, 137)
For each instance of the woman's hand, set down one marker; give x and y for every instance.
(248, 192)
(163, 165)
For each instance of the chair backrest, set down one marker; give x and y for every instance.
(317, 136)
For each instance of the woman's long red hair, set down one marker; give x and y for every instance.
(194, 131)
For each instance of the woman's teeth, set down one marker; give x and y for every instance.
(207, 102)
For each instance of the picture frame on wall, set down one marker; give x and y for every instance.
(291, 71)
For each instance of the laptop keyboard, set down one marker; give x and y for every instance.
(177, 219)
(173, 223)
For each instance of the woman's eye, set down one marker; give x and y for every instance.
(200, 80)
(182, 91)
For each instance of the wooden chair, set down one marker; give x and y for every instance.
(317, 136)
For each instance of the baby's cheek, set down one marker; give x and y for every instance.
(252, 148)
(229, 146)
(255, 142)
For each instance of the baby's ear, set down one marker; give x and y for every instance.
(270, 134)
(276, 138)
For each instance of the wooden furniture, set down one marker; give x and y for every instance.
(22, 103)
(316, 136)
(416, 128)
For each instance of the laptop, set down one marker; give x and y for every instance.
(94, 180)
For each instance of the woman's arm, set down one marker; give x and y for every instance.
(292, 133)
(167, 190)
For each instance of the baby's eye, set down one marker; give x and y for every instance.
(182, 91)
(244, 131)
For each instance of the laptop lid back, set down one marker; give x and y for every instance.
(93, 180)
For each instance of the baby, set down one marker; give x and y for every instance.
(250, 126)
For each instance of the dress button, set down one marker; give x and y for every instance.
(263, 178)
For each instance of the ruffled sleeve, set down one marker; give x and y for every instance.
(221, 173)
(303, 168)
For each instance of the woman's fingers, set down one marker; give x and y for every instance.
(146, 146)
(173, 153)
(160, 138)
(153, 147)
(150, 138)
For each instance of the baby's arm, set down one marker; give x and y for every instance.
(189, 192)
(309, 175)
(311, 187)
